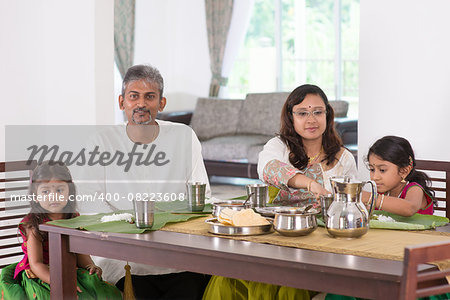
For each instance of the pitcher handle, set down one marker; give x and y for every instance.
(373, 197)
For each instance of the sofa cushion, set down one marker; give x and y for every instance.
(235, 148)
(253, 153)
(215, 117)
(340, 108)
(261, 113)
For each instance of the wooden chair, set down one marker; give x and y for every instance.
(14, 180)
(439, 172)
(429, 281)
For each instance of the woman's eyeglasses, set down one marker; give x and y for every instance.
(304, 114)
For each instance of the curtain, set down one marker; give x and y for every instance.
(218, 19)
(236, 36)
(124, 34)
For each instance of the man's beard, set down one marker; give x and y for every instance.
(138, 110)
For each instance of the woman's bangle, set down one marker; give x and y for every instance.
(381, 202)
(308, 187)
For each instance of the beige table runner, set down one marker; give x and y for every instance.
(377, 243)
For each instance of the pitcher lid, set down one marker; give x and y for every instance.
(346, 179)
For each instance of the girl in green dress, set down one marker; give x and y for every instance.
(52, 197)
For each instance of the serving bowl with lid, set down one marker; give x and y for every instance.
(294, 221)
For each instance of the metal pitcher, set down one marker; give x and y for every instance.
(347, 215)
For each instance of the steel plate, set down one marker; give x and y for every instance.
(218, 228)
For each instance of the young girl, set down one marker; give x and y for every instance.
(402, 189)
(307, 151)
(53, 194)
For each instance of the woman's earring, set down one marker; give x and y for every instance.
(403, 180)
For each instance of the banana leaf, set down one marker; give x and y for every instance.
(320, 221)
(180, 207)
(239, 198)
(415, 222)
(93, 223)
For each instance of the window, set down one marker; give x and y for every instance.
(292, 42)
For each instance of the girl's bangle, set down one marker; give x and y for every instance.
(308, 187)
(381, 202)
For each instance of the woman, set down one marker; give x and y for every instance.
(307, 152)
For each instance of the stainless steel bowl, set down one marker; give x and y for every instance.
(232, 204)
(294, 221)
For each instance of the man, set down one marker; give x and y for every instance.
(147, 157)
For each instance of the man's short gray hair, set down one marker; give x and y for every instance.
(143, 72)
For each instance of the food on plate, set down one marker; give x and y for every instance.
(226, 216)
(245, 217)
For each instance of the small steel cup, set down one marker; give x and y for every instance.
(144, 211)
(260, 194)
(325, 202)
(196, 195)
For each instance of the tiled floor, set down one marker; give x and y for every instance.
(227, 187)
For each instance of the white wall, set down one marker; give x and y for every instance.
(56, 61)
(171, 36)
(405, 75)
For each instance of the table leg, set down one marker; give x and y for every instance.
(63, 275)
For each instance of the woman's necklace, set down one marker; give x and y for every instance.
(313, 158)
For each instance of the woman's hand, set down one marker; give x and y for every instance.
(92, 268)
(317, 189)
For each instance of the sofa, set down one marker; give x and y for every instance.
(232, 132)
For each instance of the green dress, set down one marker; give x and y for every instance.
(16, 284)
(23, 288)
(11, 288)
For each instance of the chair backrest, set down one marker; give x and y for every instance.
(14, 180)
(427, 282)
(439, 172)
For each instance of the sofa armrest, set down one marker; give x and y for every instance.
(176, 116)
(231, 169)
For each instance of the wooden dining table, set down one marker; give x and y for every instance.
(343, 274)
